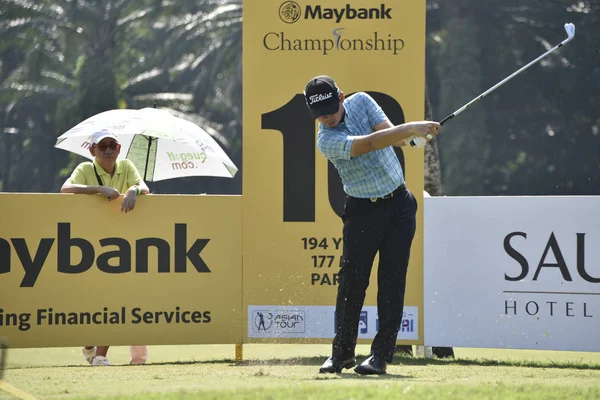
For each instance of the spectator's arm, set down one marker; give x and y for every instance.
(135, 179)
(79, 188)
(77, 183)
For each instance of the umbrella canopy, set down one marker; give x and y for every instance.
(160, 145)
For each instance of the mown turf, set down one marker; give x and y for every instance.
(290, 372)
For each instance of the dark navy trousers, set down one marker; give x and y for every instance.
(386, 226)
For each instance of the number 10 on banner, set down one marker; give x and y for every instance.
(297, 128)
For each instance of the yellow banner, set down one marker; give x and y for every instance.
(76, 271)
(292, 196)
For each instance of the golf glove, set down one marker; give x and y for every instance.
(417, 141)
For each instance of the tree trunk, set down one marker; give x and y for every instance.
(97, 88)
(433, 176)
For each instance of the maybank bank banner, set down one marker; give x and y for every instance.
(74, 270)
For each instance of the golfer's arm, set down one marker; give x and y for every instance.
(79, 189)
(385, 135)
(387, 124)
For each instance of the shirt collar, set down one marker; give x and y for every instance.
(345, 108)
(101, 170)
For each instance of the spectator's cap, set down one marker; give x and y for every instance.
(321, 95)
(103, 134)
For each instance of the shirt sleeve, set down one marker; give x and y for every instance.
(335, 145)
(133, 175)
(78, 176)
(374, 112)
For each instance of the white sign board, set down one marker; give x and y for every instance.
(512, 272)
(318, 322)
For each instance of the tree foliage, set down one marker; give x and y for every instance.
(538, 134)
(64, 60)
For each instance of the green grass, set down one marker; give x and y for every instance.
(290, 372)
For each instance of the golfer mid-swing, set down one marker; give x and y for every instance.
(379, 215)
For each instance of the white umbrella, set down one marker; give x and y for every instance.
(160, 145)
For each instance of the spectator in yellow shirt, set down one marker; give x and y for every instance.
(106, 175)
(111, 178)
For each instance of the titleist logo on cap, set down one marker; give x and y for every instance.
(315, 98)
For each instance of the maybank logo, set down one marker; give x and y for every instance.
(113, 257)
(291, 12)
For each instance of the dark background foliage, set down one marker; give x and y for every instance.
(62, 61)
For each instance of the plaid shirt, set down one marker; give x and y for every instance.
(372, 174)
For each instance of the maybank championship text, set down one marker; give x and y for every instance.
(50, 316)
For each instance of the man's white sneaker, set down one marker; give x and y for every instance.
(89, 354)
(100, 361)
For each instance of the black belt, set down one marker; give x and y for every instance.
(399, 190)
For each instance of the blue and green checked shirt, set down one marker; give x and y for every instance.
(372, 174)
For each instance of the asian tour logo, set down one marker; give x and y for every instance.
(263, 320)
(278, 321)
(290, 12)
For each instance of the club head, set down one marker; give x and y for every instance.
(570, 28)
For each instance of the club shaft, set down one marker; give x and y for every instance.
(570, 28)
(502, 82)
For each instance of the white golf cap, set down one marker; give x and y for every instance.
(103, 134)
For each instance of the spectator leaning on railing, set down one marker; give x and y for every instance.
(110, 178)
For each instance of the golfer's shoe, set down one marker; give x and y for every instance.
(373, 365)
(334, 365)
(100, 361)
(89, 354)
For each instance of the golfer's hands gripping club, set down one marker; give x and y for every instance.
(423, 132)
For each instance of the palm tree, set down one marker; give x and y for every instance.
(201, 78)
(35, 77)
(207, 49)
(63, 61)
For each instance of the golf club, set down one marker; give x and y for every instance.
(569, 27)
